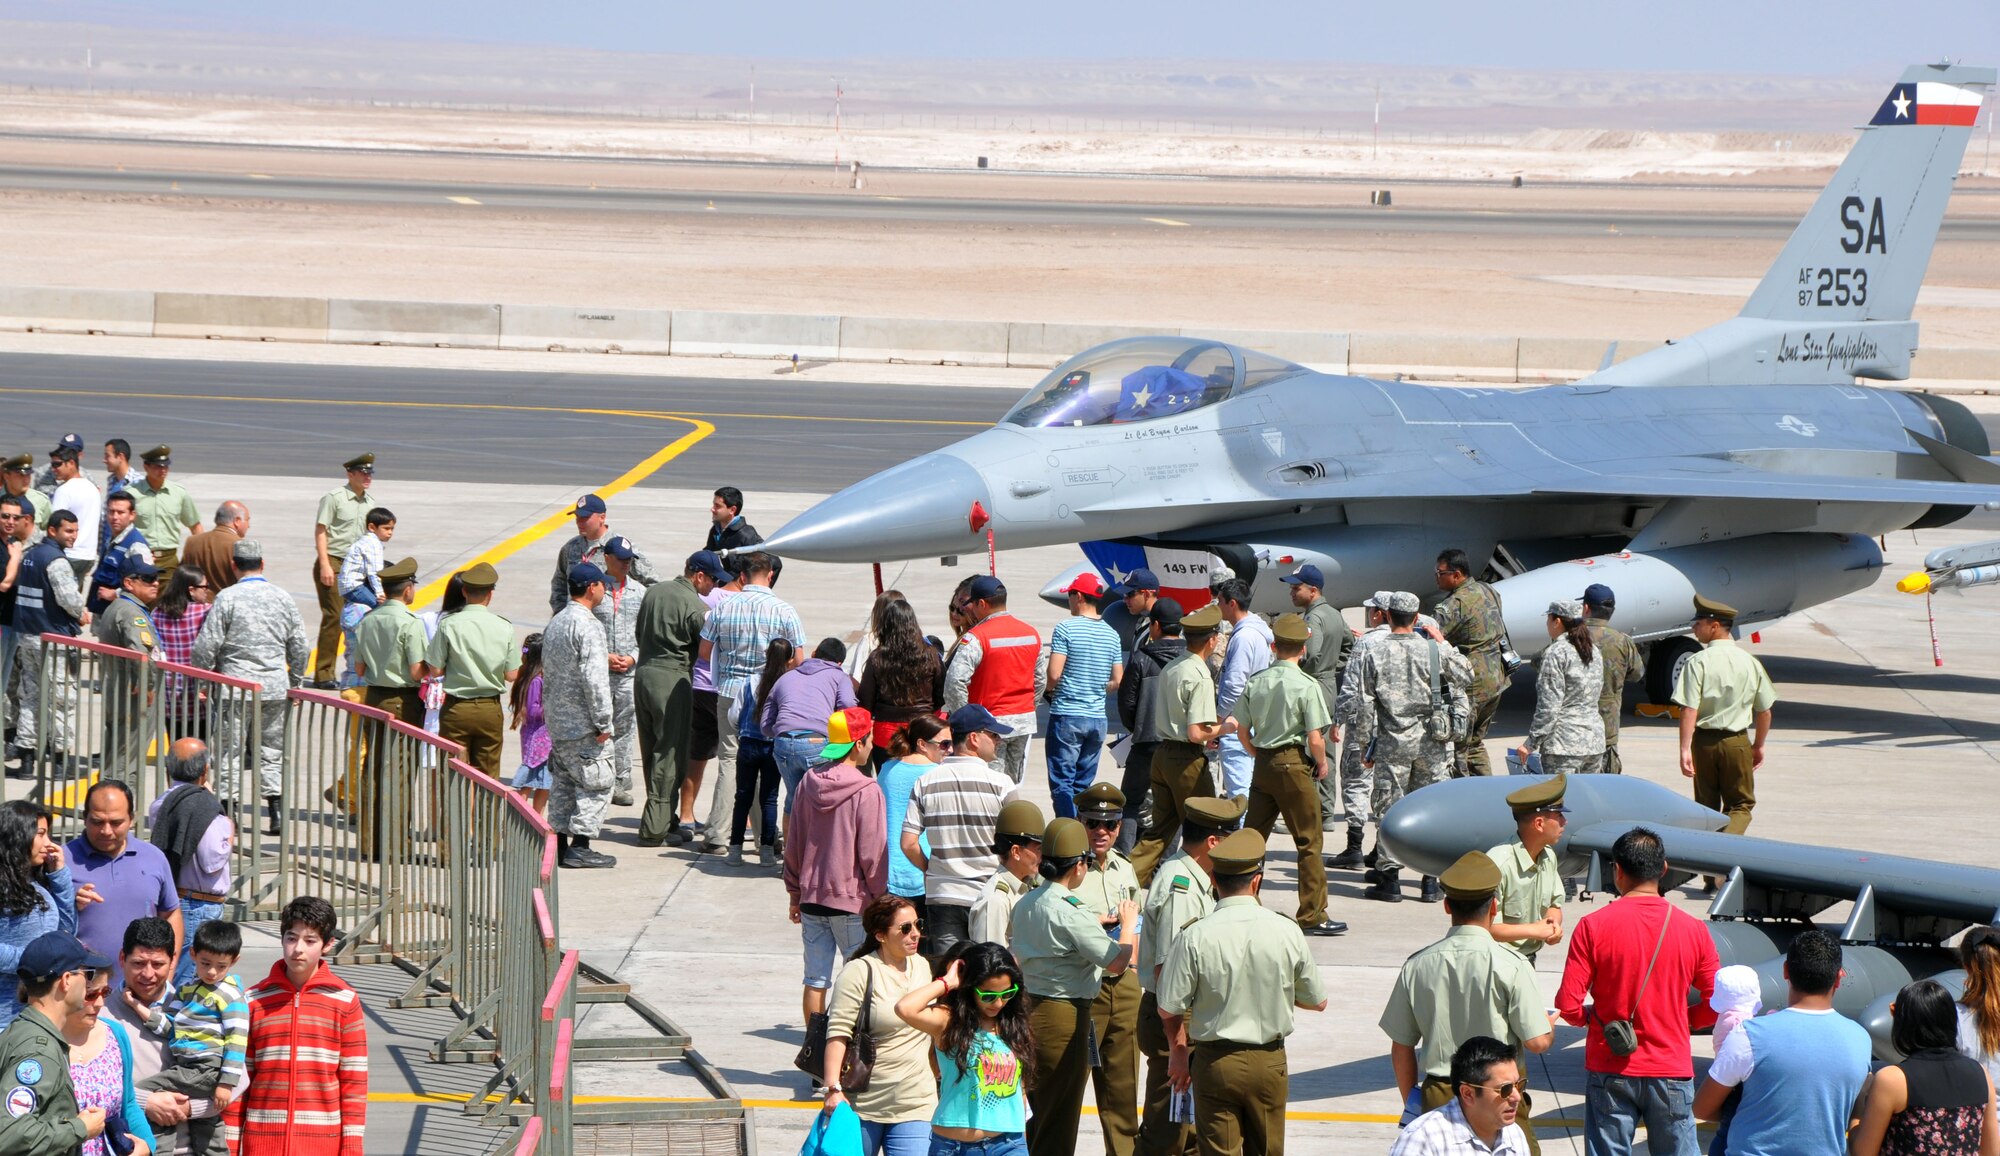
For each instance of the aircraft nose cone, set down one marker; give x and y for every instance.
(1431, 827)
(918, 509)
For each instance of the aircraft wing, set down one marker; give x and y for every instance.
(1706, 477)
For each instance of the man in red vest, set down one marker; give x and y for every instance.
(998, 666)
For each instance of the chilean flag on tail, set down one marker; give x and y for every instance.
(1929, 102)
(1183, 574)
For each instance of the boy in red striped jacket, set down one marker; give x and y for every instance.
(308, 1061)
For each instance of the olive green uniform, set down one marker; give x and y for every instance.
(1115, 1012)
(476, 650)
(1327, 652)
(1181, 894)
(125, 624)
(1728, 689)
(1621, 666)
(387, 643)
(1528, 888)
(344, 513)
(1236, 975)
(43, 507)
(1063, 951)
(669, 633)
(1464, 985)
(1280, 706)
(1184, 695)
(41, 1117)
(1470, 619)
(991, 919)
(163, 517)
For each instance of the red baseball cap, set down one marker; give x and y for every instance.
(1087, 584)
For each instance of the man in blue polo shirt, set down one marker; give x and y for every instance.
(124, 878)
(1085, 664)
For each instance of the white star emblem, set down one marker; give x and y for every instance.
(1117, 575)
(1902, 103)
(1142, 397)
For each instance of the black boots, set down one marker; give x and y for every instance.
(1384, 885)
(1350, 859)
(276, 822)
(1431, 892)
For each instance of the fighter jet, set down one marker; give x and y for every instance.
(1900, 910)
(1744, 462)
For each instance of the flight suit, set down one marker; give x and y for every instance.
(1062, 950)
(476, 650)
(576, 700)
(1470, 619)
(669, 637)
(1236, 975)
(1327, 653)
(1115, 1012)
(1181, 894)
(41, 1117)
(253, 631)
(1621, 665)
(1183, 696)
(1280, 706)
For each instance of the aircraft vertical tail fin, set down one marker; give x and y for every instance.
(1837, 303)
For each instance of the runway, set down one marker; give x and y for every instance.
(864, 206)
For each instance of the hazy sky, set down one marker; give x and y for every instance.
(1796, 36)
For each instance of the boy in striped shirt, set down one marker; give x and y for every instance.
(208, 1023)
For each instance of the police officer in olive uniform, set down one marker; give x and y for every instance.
(42, 1118)
(1181, 894)
(1469, 616)
(1064, 955)
(1184, 723)
(1326, 658)
(19, 471)
(1462, 986)
(1017, 840)
(1531, 891)
(1227, 996)
(475, 653)
(342, 519)
(163, 510)
(1282, 720)
(1621, 665)
(389, 646)
(1722, 693)
(126, 624)
(1109, 880)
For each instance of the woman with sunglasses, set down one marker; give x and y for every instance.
(979, 1022)
(895, 1108)
(100, 1069)
(914, 751)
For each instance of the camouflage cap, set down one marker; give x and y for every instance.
(1567, 609)
(1403, 602)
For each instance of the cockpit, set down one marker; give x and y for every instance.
(1142, 378)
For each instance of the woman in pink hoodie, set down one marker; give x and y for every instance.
(836, 854)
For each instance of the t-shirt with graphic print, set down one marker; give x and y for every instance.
(986, 1092)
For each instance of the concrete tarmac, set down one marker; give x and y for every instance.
(195, 185)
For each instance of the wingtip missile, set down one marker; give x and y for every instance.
(1956, 568)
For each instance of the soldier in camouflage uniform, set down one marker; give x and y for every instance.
(1392, 706)
(1621, 666)
(47, 600)
(618, 613)
(576, 701)
(126, 624)
(1327, 654)
(254, 632)
(592, 532)
(1569, 679)
(1469, 616)
(1357, 782)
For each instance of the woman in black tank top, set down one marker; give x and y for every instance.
(1936, 1102)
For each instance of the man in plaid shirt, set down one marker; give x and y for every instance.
(733, 640)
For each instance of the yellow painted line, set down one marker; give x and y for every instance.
(462, 200)
(1169, 221)
(827, 417)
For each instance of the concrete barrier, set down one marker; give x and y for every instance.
(1326, 352)
(254, 318)
(1960, 364)
(118, 312)
(1434, 358)
(923, 342)
(605, 330)
(703, 334)
(1041, 344)
(413, 323)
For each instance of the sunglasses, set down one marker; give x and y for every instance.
(906, 928)
(1505, 1091)
(996, 996)
(1102, 824)
(95, 994)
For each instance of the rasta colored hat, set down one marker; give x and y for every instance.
(844, 728)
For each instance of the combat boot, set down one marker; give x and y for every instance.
(1374, 853)
(1350, 859)
(1387, 887)
(275, 825)
(1431, 892)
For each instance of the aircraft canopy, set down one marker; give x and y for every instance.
(1143, 378)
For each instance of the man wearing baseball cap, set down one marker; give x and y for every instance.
(1085, 665)
(60, 979)
(75, 493)
(593, 530)
(958, 807)
(576, 700)
(1622, 665)
(619, 615)
(834, 858)
(998, 666)
(1133, 610)
(1326, 657)
(669, 637)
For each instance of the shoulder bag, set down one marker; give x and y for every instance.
(859, 1065)
(1622, 1036)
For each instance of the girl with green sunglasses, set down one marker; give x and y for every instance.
(978, 1018)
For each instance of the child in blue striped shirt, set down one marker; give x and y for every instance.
(208, 1024)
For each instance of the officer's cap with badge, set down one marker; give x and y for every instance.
(1224, 815)
(1543, 798)
(1101, 801)
(1201, 623)
(158, 456)
(1711, 609)
(360, 464)
(479, 577)
(19, 464)
(400, 571)
(1240, 854)
(1472, 878)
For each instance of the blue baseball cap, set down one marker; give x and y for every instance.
(620, 547)
(55, 954)
(133, 567)
(1599, 595)
(584, 573)
(710, 563)
(986, 586)
(1306, 575)
(588, 504)
(973, 718)
(1140, 579)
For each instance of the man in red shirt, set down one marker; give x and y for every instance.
(1611, 953)
(999, 666)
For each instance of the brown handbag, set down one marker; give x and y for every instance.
(859, 1065)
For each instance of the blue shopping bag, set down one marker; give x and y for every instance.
(835, 1133)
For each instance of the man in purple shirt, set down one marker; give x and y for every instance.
(801, 701)
(193, 835)
(131, 876)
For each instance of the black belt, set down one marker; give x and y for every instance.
(1180, 743)
(1276, 1045)
(1718, 732)
(452, 698)
(202, 896)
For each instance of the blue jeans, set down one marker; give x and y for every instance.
(1614, 1106)
(796, 754)
(1073, 744)
(909, 1138)
(195, 913)
(1005, 1144)
(824, 937)
(1237, 765)
(756, 784)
